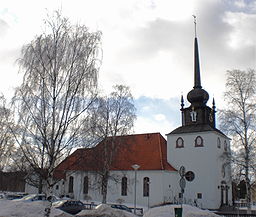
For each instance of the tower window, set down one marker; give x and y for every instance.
(199, 142)
(190, 176)
(193, 115)
(218, 143)
(179, 143)
(124, 186)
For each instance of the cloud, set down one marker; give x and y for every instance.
(147, 45)
(148, 125)
(160, 117)
(3, 28)
(159, 111)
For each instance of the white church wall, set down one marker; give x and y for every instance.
(204, 161)
(159, 189)
(171, 187)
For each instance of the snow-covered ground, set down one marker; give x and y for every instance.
(105, 210)
(168, 211)
(10, 208)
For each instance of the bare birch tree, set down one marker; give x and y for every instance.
(113, 116)
(6, 139)
(60, 69)
(238, 120)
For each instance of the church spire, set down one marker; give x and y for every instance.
(198, 113)
(197, 79)
(197, 96)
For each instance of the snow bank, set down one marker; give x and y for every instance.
(10, 208)
(106, 211)
(188, 211)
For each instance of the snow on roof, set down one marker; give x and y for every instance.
(188, 211)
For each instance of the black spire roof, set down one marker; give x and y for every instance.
(197, 96)
(197, 117)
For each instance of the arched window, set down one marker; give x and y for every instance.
(225, 145)
(124, 186)
(146, 187)
(86, 185)
(179, 143)
(199, 142)
(71, 184)
(218, 143)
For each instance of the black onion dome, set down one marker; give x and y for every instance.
(198, 97)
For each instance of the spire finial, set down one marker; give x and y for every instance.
(182, 102)
(194, 23)
(213, 104)
(197, 79)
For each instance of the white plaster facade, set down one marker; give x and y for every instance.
(162, 187)
(207, 163)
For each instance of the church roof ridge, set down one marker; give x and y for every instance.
(195, 128)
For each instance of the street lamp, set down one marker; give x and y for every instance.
(135, 167)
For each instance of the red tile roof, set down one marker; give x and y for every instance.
(147, 150)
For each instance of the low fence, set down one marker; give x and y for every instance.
(235, 214)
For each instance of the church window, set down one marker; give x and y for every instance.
(71, 184)
(199, 142)
(146, 187)
(57, 187)
(225, 146)
(199, 196)
(190, 176)
(218, 143)
(193, 115)
(179, 143)
(124, 186)
(86, 185)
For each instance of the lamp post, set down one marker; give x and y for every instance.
(135, 167)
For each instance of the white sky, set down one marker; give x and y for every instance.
(147, 45)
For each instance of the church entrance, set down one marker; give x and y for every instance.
(224, 188)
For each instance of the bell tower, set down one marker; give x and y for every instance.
(200, 147)
(198, 112)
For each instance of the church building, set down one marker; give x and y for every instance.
(192, 165)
